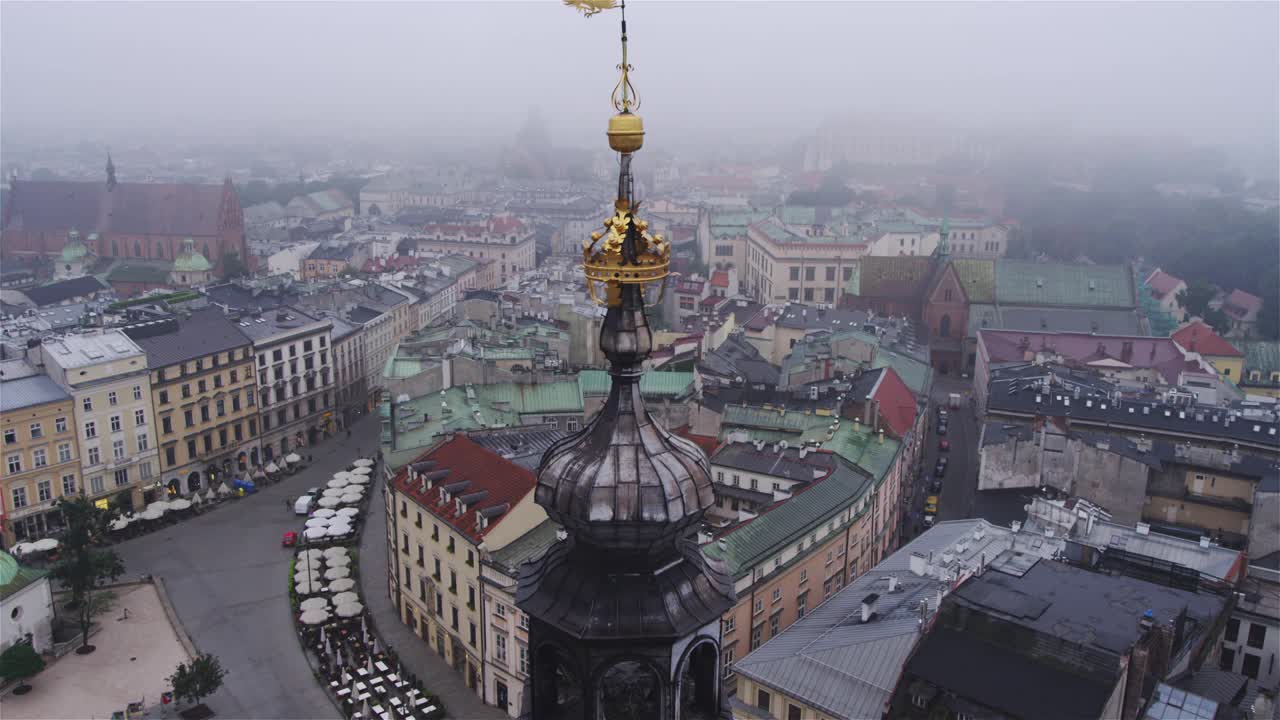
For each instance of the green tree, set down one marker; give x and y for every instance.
(232, 265)
(198, 679)
(20, 662)
(1217, 320)
(1195, 299)
(84, 569)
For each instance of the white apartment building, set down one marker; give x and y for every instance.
(107, 376)
(295, 378)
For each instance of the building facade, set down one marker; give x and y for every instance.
(503, 240)
(295, 378)
(204, 391)
(106, 374)
(41, 453)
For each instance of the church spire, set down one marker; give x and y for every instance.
(111, 172)
(628, 591)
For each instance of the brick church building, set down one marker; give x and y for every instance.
(123, 220)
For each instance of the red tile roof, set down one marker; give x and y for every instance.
(720, 278)
(897, 403)
(1079, 349)
(1197, 337)
(1162, 283)
(1240, 303)
(708, 443)
(492, 484)
(130, 208)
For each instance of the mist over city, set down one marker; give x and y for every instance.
(640, 360)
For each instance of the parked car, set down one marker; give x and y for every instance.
(935, 486)
(289, 540)
(944, 445)
(931, 505)
(928, 521)
(941, 469)
(942, 428)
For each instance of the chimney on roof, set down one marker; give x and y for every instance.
(869, 605)
(917, 564)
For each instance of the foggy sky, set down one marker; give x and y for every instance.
(727, 70)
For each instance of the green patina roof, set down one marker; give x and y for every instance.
(14, 577)
(752, 543)
(857, 444)
(190, 260)
(852, 441)
(652, 384)
(978, 277)
(1263, 356)
(734, 223)
(528, 546)
(553, 397)
(142, 271)
(759, 418)
(917, 375)
(426, 419)
(402, 366)
(1028, 283)
(74, 252)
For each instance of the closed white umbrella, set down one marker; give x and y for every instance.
(180, 504)
(362, 471)
(362, 462)
(338, 483)
(328, 502)
(314, 617)
(44, 545)
(317, 522)
(332, 492)
(293, 458)
(337, 573)
(342, 584)
(210, 496)
(223, 489)
(315, 603)
(338, 561)
(351, 609)
(334, 552)
(196, 499)
(324, 513)
(343, 598)
(314, 533)
(272, 467)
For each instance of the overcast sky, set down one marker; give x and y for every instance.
(104, 70)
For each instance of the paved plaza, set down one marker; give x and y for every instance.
(134, 659)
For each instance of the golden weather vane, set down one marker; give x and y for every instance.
(625, 253)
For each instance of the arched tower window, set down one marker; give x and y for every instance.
(699, 696)
(944, 327)
(629, 690)
(159, 249)
(137, 248)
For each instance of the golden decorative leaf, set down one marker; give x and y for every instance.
(591, 7)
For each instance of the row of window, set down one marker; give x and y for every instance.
(113, 398)
(198, 365)
(202, 386)
(116, 423)
(35, 430)
(93, 455)
(277, 355)
(810, 272)
(44, 488)
(39, 458)
(225, 438)
(206, 415)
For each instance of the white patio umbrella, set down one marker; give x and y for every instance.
(152, 514)
(317, 522)
(308, 575)
(350, 609)
(337, 531)
(21, 548)
(324, 513)
(44, 545)
(328, 502)
(339, 561)
(349, 499)
(358, 480)
(272, 467)
(362, 471)
(332, 492)
(293, 458)
(342, 585)
(314, 533)
(342, 475)
(224, 490)
(159, 504)
(315, 603)
(334, 552)
(338, 483)
(308, 587)
(314, 617)
(340, 524)
(337, 573)
(315, 554)
(180, 504)
(343, 598)
(119, 523)
(363, 462)
(349, 512)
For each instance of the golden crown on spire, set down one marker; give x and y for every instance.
(605, 257)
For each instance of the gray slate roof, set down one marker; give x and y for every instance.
(30, 391)
(848, 669)
(204, 332)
